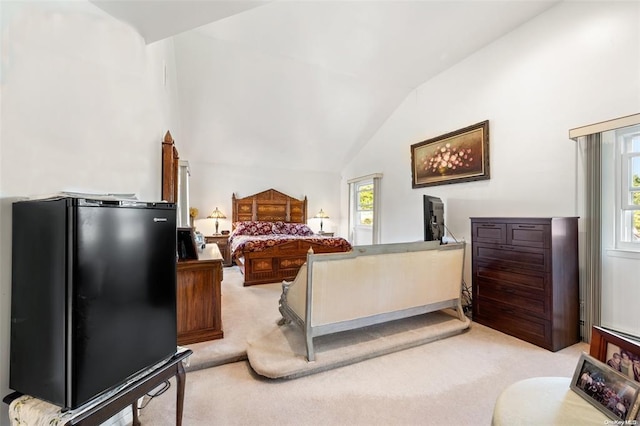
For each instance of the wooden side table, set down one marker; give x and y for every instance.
(199, 305)
(223, 244)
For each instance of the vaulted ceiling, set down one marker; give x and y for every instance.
(308, 82)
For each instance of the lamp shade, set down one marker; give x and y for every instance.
(216, 214)
(321, 215)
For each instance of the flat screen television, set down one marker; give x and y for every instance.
(433, 218)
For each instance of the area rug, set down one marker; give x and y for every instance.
(281, 352)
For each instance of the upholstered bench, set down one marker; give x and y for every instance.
(373, 284)
(544, 401)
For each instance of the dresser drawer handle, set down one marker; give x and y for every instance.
(508, 311)
(509, 290)
(487, 225)
(525, 226)
(507, 247)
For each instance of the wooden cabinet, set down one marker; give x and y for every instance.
(199, 297)
(223, 244)
(525, 278)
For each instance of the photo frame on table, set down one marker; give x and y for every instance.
(458, 156)
(616, 395)
(187, 249)
(617, 351)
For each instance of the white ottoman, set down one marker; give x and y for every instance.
(544, 401)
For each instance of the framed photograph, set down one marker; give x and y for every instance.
(459, 156)
(617, 351)
(187, 249)
(615, 395)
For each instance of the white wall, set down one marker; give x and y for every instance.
(210, 70)
(212, 185)
(576, 64)
(84, 108)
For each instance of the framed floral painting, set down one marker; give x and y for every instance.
(459, 156)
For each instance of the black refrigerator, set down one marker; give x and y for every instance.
(93, 296)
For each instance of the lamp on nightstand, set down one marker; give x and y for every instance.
(216, 214)
(321, 215)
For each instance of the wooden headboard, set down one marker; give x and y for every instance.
(270, 206)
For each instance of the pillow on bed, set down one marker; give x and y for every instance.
(292, 229)
(253, 228)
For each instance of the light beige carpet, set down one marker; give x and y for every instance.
(247, 312)
(450, 381)
(281, 353)
(453, 381)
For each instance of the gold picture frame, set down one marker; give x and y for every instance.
(458, 156)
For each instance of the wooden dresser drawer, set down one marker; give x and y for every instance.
(528, 235)
(513, 322)
(518, 257)
(489, 232)
(528, 279)
(531, 302)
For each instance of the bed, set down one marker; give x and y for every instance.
(270, 238)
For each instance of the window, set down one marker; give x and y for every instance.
(364, 207)
(629, 202)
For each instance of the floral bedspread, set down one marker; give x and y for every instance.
(250, 243)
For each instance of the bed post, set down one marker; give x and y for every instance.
(234, 209)
(288, 213)
(254, 209)
(304, 209)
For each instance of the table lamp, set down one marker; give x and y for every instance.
(216, 214)
(321, 215)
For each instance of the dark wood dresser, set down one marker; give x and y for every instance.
(199, 297)
(525, 278)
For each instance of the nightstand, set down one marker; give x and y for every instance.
(223, 244)
(326, 234)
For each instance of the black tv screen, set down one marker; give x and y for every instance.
(433, 218)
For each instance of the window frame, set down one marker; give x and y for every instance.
(624, 207)
(353, 225)
(358, 206)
